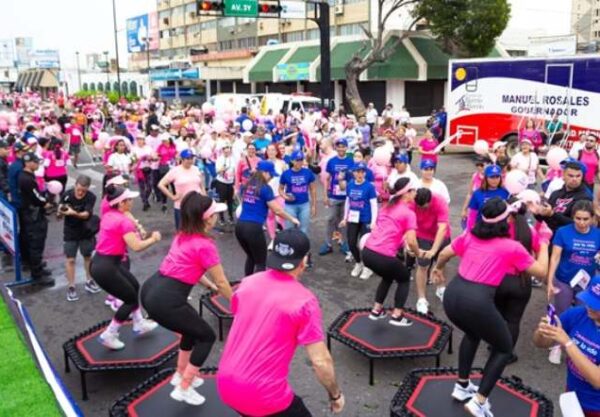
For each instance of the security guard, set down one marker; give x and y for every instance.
(14, 170)
(34, 222)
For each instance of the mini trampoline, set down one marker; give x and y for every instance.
(377, 339)
(151, 399)
(219, 306)
(148, 351)
(426, 393)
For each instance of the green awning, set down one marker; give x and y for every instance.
(436, 58)
(400, 65)
(305, 54)
(262, 71)
(340, 55)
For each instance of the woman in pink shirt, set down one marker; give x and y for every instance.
(117, 233)
(166, 153)
(246, 166)
(427, 146)
(530, 132)
(193, 254)
(185, 178)
(55, 161)
(487, 254)
(396, 224)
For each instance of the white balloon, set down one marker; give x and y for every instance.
(247, 125)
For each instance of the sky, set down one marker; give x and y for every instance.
(87, 25)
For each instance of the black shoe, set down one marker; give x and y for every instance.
(46, 272)
(513, 359)
(164, 208)
(43, 281)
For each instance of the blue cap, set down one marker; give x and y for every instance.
(492, 171)
(267, 166)
(570, 160)
(186, 154)
(401, 157)
(591, 296)
(297, 156)
(361, 166)
(342, 141)
(428, 164)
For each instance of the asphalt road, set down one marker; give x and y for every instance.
(56, 320)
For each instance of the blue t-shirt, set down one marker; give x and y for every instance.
(359, 196)
(335, 165)
(578, 251)
(261, 144)
(297, 183)
(480, 196)
(254, 203)
(585, 333)
(369, 176)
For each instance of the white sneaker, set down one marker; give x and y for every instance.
(555, 355)
(144, 326)
(187, 395)
(358, 267)
(439, 293)
(270, 246)
(422, 306)
(476, 409)
(366, 273)
(111, 340)
(177, 378)
(349, 258)
(460, 394)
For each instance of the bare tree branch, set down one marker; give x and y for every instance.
(397, 4)
(367, 32)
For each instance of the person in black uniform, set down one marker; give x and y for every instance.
(34, 222)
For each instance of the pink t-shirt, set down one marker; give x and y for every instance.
(55, 167)
(189, 257)
(104, 206)
(535, 242)
(185, 180)
(488, 261)
(590, 160)
(113, 226)
(428, 218)
(166, 154)
(428, 144)
(392, 224)
(75, 133)
(476, 180)
(273, 314)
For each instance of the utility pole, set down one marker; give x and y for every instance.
(78, 71)
(116, 48)
(322, 21)
(107, 70)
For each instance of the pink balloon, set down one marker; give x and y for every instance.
(481, 147)
(3, 125)
(516, 181)
(99, 144)
(381, 156)
(529, 196)
(54, 187)
(206, 152)
(555, 156)
(220, 126)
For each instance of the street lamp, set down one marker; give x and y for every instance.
(107, 69)
(78, 71)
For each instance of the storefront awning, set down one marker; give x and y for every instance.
(437, 60)
(262, 70)
(400, 65)
(340, 55)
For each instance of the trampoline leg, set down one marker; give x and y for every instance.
(84, 394)
(450, 342)
(220, 329)
(200, 307)
(328, 343)
(437, 361)
(67, 367)
(371, 372)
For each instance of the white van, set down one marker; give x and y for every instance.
(219, 101)
(284, 103)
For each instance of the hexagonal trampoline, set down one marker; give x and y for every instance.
(218, 305)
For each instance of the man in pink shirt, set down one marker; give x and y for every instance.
(273, 314)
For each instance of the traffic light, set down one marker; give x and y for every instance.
(269, 9)
(209, 8)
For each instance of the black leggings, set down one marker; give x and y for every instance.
(225, 195)
(158, 175)
(470, 306)
(390, 269)
(511, 300)
(114, 277)
(296, 409)
(165, 300)
(354, 231)
(252, 240)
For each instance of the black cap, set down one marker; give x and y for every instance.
(289, 248)
(4, 144)
(31, 157)
(20, 146)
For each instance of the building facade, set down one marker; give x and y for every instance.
(585, 20)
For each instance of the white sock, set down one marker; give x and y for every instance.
(113, 327)
(137, 316)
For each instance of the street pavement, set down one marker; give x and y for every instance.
(57, 320)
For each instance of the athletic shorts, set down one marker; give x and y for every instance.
(85, 247)
(426, 244)
(75, 149)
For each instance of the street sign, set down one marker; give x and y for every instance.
(175, 74)
(293, 72)
(241, 8)
(293, 9)
(172, 92)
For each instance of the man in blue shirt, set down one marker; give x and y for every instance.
(578, 332)
(242, 118)
(338, 170)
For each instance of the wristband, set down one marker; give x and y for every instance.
(333, 399)
(569, 343)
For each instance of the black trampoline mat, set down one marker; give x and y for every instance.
(380, 336)
(157, 402)
(432, 398)
(145, 348)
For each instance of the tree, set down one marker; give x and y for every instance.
(464, 27)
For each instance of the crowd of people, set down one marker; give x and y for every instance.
(256, 175)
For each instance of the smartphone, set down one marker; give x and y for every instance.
(552, 315)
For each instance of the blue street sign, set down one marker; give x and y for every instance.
(183, 91)
(175, 74)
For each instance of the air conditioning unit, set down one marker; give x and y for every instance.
(339, 9)
(166, 21)
(193, 15)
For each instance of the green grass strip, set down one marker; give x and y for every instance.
(23, 390)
